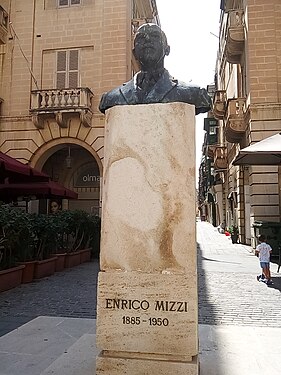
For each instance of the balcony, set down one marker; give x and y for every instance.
(211, 136)
(3, 25)
(235, 36)
(220, 158)
(235, 125)
(62, 104)
(219, 104)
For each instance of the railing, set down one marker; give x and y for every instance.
(235, 122)
(64, 99)
(236, 19)
(235, 36)
(219, 104)
(220, 157)
(57, 102)
(236, 109)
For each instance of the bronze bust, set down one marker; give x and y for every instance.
(153, 83)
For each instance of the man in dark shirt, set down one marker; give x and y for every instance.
(153, 83)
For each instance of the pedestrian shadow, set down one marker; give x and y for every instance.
(276, 283)
(209, 350)
(275, 259)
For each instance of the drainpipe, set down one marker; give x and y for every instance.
(32, 50)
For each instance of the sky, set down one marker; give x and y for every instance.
(191, 27)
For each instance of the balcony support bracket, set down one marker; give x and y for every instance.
(86, 118)
(61, 119)
(38, 121)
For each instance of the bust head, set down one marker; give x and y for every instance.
(150, 47)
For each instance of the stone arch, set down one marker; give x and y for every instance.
(47, 149)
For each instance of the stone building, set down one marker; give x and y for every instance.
(57, 57)
(247, 109)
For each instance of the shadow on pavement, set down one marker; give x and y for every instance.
(218, 261)
(8, 324)
(208, 347)
(276, 283)
(69, 293)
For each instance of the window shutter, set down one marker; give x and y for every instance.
(61, 69)
(73, 80)
(61, 84)
(67, 75)
(73, 68)
(73, 59)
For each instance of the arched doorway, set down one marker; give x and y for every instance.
(75, 167)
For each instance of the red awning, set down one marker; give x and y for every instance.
(37, 190)
(16, 171)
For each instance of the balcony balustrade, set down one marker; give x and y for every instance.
(220, 158)
(219, 104)
(235, 125)
(61, 104)
(235, 36)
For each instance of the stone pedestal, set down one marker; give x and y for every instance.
(147, 288)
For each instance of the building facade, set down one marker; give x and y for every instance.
(247, 109)
(57, 57)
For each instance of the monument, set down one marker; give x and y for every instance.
(147, 287)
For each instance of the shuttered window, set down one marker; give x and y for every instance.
(68, 3)
(67, 69)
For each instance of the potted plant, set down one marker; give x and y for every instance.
(58, 249)
(45, 231)
(234, 233)
(95, 238)
(10, 273)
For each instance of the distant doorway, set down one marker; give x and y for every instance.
(74, 167)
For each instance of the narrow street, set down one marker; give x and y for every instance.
(228, 289)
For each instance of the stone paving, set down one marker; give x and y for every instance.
(70, 293)
(228, 290)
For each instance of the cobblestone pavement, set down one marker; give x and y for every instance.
(228, 289)
(70, 293)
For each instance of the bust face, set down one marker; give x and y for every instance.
(150, 46)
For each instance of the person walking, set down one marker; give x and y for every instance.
(263, 251)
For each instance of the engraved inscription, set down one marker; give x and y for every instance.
(146, 306)
(126, 304)
(136, 320)
(175, 306)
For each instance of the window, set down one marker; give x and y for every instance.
(67, 74)
(68, 3)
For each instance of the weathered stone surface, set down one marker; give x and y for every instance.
(127, 366)
(149, 189)
(147, 288)
(147, 313)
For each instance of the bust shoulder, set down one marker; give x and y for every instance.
(111, 99)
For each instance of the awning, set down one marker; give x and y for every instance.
(16, 171)
(265, 152)
(36, 190)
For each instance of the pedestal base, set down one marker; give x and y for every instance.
(107, 365)
(148, 314)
